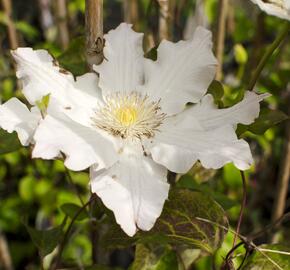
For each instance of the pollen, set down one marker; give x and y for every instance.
(129, 115)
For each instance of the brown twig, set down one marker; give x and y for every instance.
(5, 258)
(220, 37)
(244, 200)
(12, 34)
(130, 9)
(63, 32)
(164, 14)
(283, 179)
(67, 233)
(94, 32)
(46, 17)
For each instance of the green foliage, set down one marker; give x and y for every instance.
(187, 181)
(74, 58)
(45, 240)
(267, 119)
(153, 259)
(241, 55)
(152, 53)
(216, 89)
(263, 260)
(189, 218)
(71, 209)
(8, 142)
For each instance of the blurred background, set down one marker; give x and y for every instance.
(34, 190)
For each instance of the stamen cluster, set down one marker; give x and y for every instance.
(129, 115)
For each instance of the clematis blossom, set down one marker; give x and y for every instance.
(279, 8)
(131, 123)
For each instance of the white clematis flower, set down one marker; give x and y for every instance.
(279, 8)
(131, 124)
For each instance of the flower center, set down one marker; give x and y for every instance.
(129, 115)
(126, 115)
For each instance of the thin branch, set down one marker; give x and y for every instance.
(94, 32)
(270, 226)
(243, 238)
(63, 32)
(220, 37)
(70, 180)
(267, 55)
(67, 233)
(46, 17)
(244, 200)
(283, 179)
(12, 34)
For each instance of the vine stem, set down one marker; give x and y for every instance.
(67, 233)
(267, 55)
(244, 201)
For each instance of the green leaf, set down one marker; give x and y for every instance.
(152, 53)
(150, 259)
(181, 220)
(187, 181)
(216, 89)
(26, 29)
(74, 58)
(71, 209)
(8, 142)
(45, 240)
(267, 119)
(262, 260)
(188, 218)
(26, 188)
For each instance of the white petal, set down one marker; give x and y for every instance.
(203, 132)
(15, 116)
(210, 117)
(39, 74)
(134, 189)
(182, 72)
(88, 83)
(81, 145)
(275, 8)
(122, 68)
(179, 149)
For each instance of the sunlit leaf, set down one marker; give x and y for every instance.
(8, 142)
(26, 188)
(262, 260)
(147, 259)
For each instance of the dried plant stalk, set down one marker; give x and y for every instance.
(220, 37)
(94, 31)
(164, 16)
(12, 34)
(63, 32)
(130, 9)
